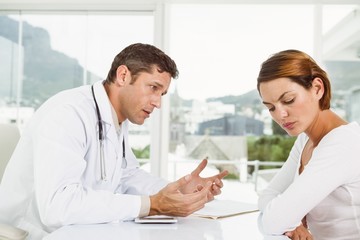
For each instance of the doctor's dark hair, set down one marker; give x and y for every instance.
(299, 67)
(141, 57)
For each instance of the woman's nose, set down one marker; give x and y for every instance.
(282, 112)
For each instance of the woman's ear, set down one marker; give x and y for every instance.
(318, 87)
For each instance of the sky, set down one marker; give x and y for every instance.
(218, 48)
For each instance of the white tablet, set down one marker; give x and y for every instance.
(156, 219)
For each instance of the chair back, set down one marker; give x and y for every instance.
(9, 137)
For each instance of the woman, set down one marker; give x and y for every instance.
(316, 194)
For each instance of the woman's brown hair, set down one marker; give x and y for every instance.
(298, 67)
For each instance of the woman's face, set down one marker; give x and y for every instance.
(292, 106)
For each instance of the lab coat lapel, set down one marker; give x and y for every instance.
(105, 111)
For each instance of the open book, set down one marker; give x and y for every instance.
(225, 208)
(11, 232)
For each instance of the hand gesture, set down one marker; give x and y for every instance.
(171, 201)
(197, 183)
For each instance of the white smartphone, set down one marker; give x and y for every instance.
(156, 219)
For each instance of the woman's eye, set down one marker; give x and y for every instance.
(289, 101)
(270, 108)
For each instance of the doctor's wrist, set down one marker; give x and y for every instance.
(154, 206)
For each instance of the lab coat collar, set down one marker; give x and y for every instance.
(103, 102)
(115, 119)
(105, 109)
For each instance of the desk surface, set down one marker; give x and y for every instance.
(190, 228)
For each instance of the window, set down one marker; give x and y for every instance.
(44, 53)
(341, 57)
(217, 47)
(215, 108)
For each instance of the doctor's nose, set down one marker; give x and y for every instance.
(156, 101)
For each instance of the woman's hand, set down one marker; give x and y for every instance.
(299, 233)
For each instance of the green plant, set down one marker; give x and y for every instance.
(142, 153)
(273, 148)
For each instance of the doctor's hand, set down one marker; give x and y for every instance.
(171, 201)
(197, 183)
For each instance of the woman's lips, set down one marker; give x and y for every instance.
(288, 125)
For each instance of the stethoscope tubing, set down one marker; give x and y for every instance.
(101, 137)
(101, 141)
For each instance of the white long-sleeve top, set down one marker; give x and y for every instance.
(327, 192)
(53, 177)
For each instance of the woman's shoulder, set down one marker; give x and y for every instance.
(352, 126)
(348, 131)
(343, 139)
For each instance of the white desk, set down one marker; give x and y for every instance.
(190, 228)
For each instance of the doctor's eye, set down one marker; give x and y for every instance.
(153, 87)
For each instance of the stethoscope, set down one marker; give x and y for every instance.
(101, 141)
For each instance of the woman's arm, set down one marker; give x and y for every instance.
(325, 172)
(284, 177)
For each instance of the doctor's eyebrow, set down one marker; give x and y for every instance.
(281, 96)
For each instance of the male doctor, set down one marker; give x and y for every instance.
(73, 163)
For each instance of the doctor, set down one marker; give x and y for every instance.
(73, 163)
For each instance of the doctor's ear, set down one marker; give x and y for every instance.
(121, 72)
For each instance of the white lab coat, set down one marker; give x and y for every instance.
(53, 178)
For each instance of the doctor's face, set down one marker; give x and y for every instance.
(139, 98)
